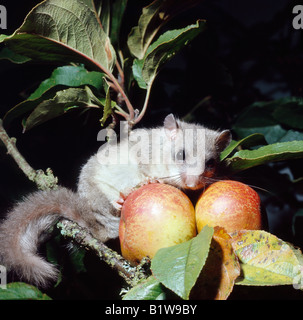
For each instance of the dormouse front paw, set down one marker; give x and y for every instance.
(119, 203)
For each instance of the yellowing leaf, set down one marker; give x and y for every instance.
(220, 271)
(266, 259)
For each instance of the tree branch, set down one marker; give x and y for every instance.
(44, 181)
(132, 275)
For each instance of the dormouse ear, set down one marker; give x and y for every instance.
(171, 126)
(223, 140)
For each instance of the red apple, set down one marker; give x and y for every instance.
(153, 217)
(229, 204)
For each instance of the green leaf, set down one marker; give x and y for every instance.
(137, 73)
(3, 37)
(63, 101)
(250, 141)
(77, 259)
(270, 118)
(29, 105)
(245, 159)
(290, 113)
(117, 9)
(63, 31)
(266, 259)
(153, 17)
(166, 47)
(148, 289)
(70, 76)
(149, 23)
(103, 11)
(22, 291)
(6, 53)
(62, 77)
(107, 108)
(178, 267)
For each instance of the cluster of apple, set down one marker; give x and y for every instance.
(159, 215)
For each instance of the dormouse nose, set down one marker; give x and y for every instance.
(193, 182)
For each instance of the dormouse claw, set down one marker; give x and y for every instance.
(152, 180)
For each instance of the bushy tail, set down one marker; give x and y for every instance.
(20, 232)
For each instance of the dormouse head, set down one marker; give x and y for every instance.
(194, 152)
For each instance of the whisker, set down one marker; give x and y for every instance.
(250, 185)
(261, 189)
(178, 175)
(209, 180)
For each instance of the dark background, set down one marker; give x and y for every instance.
(250, 52)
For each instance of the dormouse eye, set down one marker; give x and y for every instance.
(180, 156)
(210, 164)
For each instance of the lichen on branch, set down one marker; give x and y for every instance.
(131, 274)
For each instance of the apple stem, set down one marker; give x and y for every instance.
(132, 275)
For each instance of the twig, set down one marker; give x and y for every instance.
(44, 181)
(144, 108)
(132, 275)
(121, 112)
(121, 74)
(124, 96)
